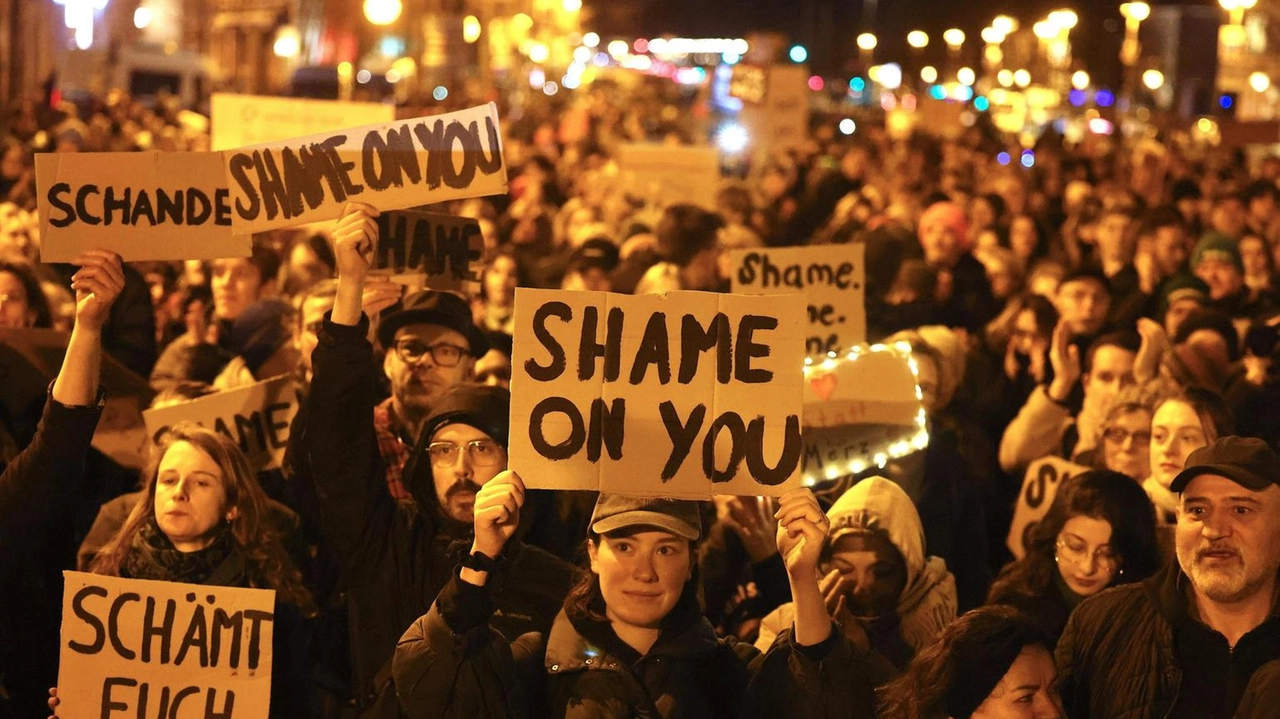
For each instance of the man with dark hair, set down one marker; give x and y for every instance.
(686, 244)
(1186, 642)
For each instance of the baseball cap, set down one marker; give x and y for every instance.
(621, 511)
(444, 309)
(1247, 461)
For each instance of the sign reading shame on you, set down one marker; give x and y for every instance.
(685, 394)
(832, 277)
(135, 648)
(142, 205)
(391, 166)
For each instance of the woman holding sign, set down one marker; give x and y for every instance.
(631, 639)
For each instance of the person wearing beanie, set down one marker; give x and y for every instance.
(631, 639)
(263, 347)
(1181, 295)
(990, 663)
(395, 554)
(964, 292)
(1216, 261)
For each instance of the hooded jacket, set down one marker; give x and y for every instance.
(395, 556)
(928, 602)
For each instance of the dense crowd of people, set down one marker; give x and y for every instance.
(1116, 306)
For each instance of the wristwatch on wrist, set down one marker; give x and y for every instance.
(481, 562)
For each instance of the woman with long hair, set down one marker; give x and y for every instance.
(631, 639)
(988, 664)
(1184, 420)
(1099, 532)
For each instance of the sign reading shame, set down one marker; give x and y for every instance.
(391, 166)
(240, 120)
(142, 205)
(447, 250)
(1039, 487)
(257, 417)
(832, 277)
(140, 648)
(685, 394)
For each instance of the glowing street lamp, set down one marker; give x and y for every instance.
(954, 38)
(1153, 79)
(1080, 79)
(1064, 19)
(918, 39)
(867, 42)
(1004, 25)
(1236, 9)
(1259, 81)
(382, 12)
(78, 15)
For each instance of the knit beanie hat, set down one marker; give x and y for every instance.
(1217, 246)
(951, 215)
(483, 407)
(259, 331)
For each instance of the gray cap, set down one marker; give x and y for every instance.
(621, 511)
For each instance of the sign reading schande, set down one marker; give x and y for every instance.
(142, 205)
(685, 394)
(133, 647)
(392, 166)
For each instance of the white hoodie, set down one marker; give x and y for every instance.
(928, 603)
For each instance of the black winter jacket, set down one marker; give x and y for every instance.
(395, 556)
(450, 664)
(1119, 655)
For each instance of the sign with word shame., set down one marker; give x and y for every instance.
(1039, 487)
(392, 167)
(240, 120)
(831, 277)
(134, 647)
(256, 417)
(448, 251)
(142, 205)
(686, 394)
(666, 175)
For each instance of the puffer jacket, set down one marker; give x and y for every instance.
(928, 602)
(1118, 656)
(451, 664)
(395, 556)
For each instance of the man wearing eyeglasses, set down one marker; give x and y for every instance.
(395, 554)
(1186, 642)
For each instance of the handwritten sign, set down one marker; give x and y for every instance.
(240, 120)
(133, 647)
(749, 83)
(861, 410)
(1039, 487)
(143, 205)
(685, 395)
(831, 277)
(257, 417)
(781, 121)
(391, 166)
(447, 250)
(666, 175)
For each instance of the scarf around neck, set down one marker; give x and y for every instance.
(153, 556)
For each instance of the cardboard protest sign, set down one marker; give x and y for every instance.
(143, 205)
(861, 410)
(749, 83)
(448, 251)
(831, 277)
(240, 120)
(30, 360)
(391, 166)
(781, 121)
(1039, 487)
(257, 417)
(666, 175)
(684, 395)
(133, 647)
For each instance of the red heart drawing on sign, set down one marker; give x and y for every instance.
(824, 386)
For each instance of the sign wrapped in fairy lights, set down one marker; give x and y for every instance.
(861, 410)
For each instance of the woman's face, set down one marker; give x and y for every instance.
(1084, 555)
(1022, 237)
(1027, 691)
(15, 310)
(500, 280)
(1253, 253)
(1126, 444)
(641, 575)
(873, 571)
(191, 497)
(1175, 433)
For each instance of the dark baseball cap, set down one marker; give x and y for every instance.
(1247, 461)
(444, 309)
(486, 408)
(622, 511)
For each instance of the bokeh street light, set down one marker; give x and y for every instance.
(1080, 80)
(918, 39)
(1259, 81)
(1153, 79)
(867, 42)
(383, 12)
(954, 38)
